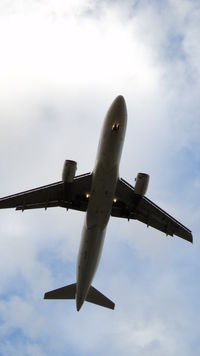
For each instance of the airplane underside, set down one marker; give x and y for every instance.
(100, 194)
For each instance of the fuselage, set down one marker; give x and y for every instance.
(104, 180)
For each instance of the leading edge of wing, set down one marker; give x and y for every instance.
(69, 195)
(144, 210)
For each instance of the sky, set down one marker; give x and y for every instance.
(61, 66)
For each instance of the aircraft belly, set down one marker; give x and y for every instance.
(89, 256)
(104, 180)
(101, 197)
(97, 217)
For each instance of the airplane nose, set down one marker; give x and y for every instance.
(119, 103)
(118, 107)
(120, 100)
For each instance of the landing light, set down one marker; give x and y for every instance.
(115, 200)
(115, 127)
(87, 195)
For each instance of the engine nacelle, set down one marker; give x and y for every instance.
(141, 183)
(69, 170)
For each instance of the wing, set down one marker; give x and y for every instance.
(67, 195)
(131, 206)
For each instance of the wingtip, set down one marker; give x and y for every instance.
(190, 238)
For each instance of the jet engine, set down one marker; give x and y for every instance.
(141, 183)
(69, 170)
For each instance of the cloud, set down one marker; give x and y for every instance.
(62, 64)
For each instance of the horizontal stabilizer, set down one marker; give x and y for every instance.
(67, 292)
(94, 296)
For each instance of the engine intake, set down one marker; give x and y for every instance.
(141, 183)
(69, 170)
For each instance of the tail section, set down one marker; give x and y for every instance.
(96, 297)
(69, 292)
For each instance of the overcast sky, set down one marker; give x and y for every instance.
(62, 63)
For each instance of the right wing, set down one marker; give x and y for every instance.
(131, 206)
(67, 195)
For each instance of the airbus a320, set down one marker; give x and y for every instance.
(100, 194)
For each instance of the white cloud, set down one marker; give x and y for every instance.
(62, 64)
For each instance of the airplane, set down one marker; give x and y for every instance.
(100, 194)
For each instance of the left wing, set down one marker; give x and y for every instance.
(67, 195)
(131, 206)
